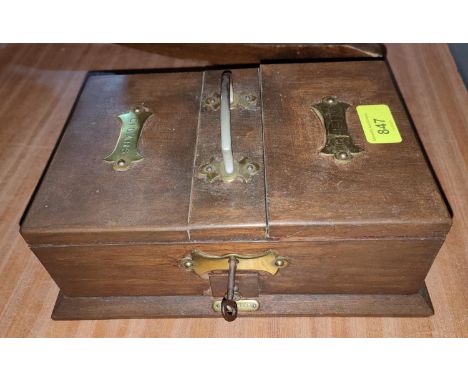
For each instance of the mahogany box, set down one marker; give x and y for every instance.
(278, 189)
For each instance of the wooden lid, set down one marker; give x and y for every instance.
(298, 193)
(387, 190)
(83, 200)
(162, 198)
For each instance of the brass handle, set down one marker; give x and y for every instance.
(201, 263)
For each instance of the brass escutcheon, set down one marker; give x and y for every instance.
(201, 263)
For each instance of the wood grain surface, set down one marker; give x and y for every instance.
(219, 54)
(38, 85)
(96, 193)
(236, 210)
(349, 266)
(391, 305)
(386, 190)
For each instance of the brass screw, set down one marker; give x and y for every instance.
(209, 168)
(188, 264)
(121, 163)
(279, 262)
(250, 167)
(343, 156)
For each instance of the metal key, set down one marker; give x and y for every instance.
(228, 304)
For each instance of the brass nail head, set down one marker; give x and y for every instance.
(343, 156)
(279, 262)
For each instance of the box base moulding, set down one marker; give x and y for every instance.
(365, 305)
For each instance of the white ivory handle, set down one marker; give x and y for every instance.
(226, 99)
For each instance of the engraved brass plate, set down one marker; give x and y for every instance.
(243, 170)
(202, 263)
(338, 141)
(241, 100)
(126, 149)
(242, 305)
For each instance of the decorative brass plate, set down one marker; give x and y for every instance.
(242, 305)
(241, 100)
(126, 149)
(338, 141)
(202, 263)
(244, 170)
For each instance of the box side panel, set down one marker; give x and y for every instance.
(352, 266)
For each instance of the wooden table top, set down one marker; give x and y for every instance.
(38, 84)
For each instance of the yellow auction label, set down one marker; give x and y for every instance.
(378, 124)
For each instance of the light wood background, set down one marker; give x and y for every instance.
(38, 84)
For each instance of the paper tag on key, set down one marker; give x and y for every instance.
(378, 124)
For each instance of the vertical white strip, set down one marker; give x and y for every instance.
(226, 147)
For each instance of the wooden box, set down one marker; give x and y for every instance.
(332, 208)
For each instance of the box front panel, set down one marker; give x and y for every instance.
(353, 266)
